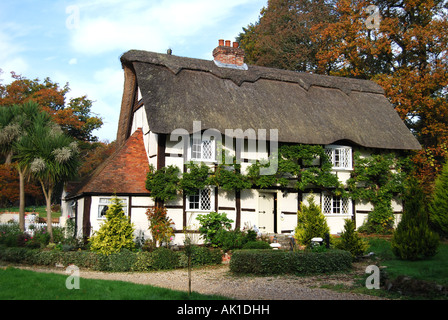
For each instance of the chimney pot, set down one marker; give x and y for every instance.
(229, 54)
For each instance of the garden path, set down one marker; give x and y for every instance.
(218, 280)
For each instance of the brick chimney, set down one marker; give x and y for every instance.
(226, 55)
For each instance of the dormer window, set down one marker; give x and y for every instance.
(202, 150)
(340, 157)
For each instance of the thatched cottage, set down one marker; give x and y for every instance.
(165, 94)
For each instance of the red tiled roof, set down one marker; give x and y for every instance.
(124, 172)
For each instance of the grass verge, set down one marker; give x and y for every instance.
(17, 284)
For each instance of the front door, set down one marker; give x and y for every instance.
(266, 212)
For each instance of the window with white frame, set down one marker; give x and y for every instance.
(203, 200)
(104, 203)
(332, 204)
(340, 156)
(202, 150)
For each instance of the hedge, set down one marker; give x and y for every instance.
(159, 259)
(268, 262)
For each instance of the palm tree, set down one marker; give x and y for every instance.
(49, 155)
(15, 122)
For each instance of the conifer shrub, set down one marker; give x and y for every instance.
(413, 240)
(116, 233)
(351, 241)
(438, 209)
(311, 223)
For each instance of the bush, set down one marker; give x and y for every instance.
(201, 256)
(438, 209)
(116, 233)
(310, 223)
(413, 239)
(212, 223)
(351, 241)
(160, 225)
(256, 245)
(122, 261)
(164, 259)
(265, 262)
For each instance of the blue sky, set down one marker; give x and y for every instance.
(80, 41)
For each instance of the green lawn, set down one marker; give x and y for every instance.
(42, 211)
(433, 269)
(17, 284)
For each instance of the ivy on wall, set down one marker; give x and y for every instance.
(296, 167)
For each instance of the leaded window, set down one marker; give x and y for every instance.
(332, 204)
(339, 156)
(202, 150)
(202, 200)
(104, 203)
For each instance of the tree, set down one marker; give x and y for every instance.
(405, 51)
(16, 123)
(438, 209)
(75, 116)
(413, 240)
(116, 233)
(407, 55)
(282, 38)
(351, 241)
(311, 223)
(49, 156)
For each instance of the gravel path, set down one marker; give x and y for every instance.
(218, 280)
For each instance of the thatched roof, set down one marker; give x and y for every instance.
(305, 108)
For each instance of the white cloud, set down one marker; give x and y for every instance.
(122, 25)
(9, 55)
(73, 61)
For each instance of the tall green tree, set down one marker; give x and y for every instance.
(282, 38)
(413, 239)
(49, 155)
(438, 209)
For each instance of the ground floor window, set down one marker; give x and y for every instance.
(202, 200)
(104, 203)
(332, 204)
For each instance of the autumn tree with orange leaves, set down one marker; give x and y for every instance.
(74, 116)
(401, 45)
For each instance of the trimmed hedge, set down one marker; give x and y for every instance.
(159, 259)
(268, 262)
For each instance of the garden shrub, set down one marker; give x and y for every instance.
(265, 262)
(122, 261)
(164, 259)
(116, 233)
(201, 256)
(160, 225)
(211, 223)
(413, 240)
(351, 241)
(143, 261)
(256, 245)
(310, 223)
(438, 209)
